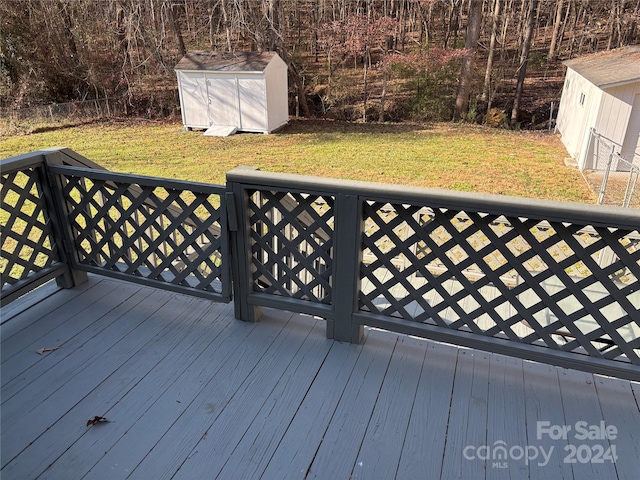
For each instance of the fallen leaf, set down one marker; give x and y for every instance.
(46, 349)
(96, 419)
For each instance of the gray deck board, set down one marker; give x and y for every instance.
(506, 417)
(544, 404)
(191, 393)
(336, 455)
(581, 404)
(23, 367)
(619, 409)
(297, 448)
(381, 447)
(260, 434)
(58, 311)
(102, 399)
(428, 424)
(467, 416)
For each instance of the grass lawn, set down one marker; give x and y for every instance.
(456, 157)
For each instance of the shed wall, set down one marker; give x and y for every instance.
(252, 91)
(193, 99)
(223, 99)
(277, 94)
(577, 113)
(631, 145)
(615, 110)
(618, 121)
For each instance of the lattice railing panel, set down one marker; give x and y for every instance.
(161, 234)
(28, 245)
(568, 287)
(292, 240)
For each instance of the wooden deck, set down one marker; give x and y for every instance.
(191, 393)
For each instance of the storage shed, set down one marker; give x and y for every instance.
(601, 104)
(224, 92)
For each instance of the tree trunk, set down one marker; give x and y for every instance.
(466, 73)
(274, 24)
(492, 46)
(383, 95)
(176, 30)
(556, 30)
(522, 69)
(227, 24)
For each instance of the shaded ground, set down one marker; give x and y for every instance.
(618, 185)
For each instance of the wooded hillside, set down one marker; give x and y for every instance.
(497, 61)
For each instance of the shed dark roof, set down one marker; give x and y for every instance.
(606, 69)
(226, 62)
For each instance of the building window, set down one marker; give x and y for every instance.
(582, 98)
(567, 84)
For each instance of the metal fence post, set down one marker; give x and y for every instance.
(346, 274)
(603, 188)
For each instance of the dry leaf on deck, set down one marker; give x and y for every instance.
(46, 349)
(96, 419)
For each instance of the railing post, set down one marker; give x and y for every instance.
(347, 256)
(240, 233)
(62, 229)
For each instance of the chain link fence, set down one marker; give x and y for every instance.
(610, 175)
(69, 112)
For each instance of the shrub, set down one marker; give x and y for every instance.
(496, 118)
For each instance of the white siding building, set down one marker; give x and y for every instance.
(233, 91)
(601, 95)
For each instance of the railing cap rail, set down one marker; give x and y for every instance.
(571, 212)
(20, 162)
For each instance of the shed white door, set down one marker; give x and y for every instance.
(223, 100)
(253, 104)
(631, 145)
(194, 100)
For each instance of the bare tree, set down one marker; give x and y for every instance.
(486, 91)
(556, 29)
(182, 50)
(524, 56)
(468, 60)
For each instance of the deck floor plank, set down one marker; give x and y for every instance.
(544, 404)
(107, 350)
(620, 410)
(336, 455)
(213, 425)
(203, 387)
(33, 298)
(381, 447)
(298, 446)
(109, 353)
(70, 431)
(57, 311)
(261, 434)
(69, 338)
(428, 422)
(192, 393)
(506, 422)
(467, 416)
(581, 404)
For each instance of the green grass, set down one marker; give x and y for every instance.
(456, 157)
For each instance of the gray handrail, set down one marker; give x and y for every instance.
(596, 215)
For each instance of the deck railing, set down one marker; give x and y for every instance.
(158, 232)
(32, 246)
(546, 281)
